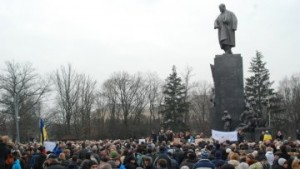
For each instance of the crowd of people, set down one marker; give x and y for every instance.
(156, 152)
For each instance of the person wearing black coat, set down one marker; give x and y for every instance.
(190, 161)
(39, 159)
(52, 163)
(4, 151)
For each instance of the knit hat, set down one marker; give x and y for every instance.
(281, 161)
(228, 150)
(204, 155)
(113, 154)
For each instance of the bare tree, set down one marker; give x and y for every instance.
(110, 92)
(22, 89)
(289, 91)
(126, 99)
(67, 84)
(99, 116)
(155, 96)
(132, 96)
(200, 105)
(189, 85)
(86, 102)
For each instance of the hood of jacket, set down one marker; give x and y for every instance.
(147, 157)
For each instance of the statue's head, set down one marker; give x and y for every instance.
(222, 8)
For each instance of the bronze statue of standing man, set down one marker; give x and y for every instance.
(226, 23)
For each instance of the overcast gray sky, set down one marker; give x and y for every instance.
(101, 37)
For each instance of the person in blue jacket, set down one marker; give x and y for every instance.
(204, 162)
(16, 164)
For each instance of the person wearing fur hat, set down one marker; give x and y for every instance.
(162, 155)
(204, 162)
(162, 164)
(92, 164)
(132, 164)
(147, 162)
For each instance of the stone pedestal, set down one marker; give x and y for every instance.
(229, 89)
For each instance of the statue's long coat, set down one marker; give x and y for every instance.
(226, 24)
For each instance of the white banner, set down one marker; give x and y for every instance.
(223, 136)
(49, 145)
(142, 141)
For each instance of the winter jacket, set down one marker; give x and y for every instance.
(270, 157)
(235, 163)
(277, 166)
(151, 166)
(256, 165)
(204, 164)
(56, 166)
(162, 156)
(57, 150)
(38, 161)
(4, 151)
(16, 164)
(189, 163)
(219, 162)
(243, 165)
(73, 165)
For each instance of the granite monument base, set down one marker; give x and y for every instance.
(228, 79)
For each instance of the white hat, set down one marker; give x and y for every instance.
(228, 150)
(281, 161)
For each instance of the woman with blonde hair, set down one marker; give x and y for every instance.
(62, 160)
(234, 159)
(296, 163)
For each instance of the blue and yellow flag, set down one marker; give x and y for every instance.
(43, 132)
